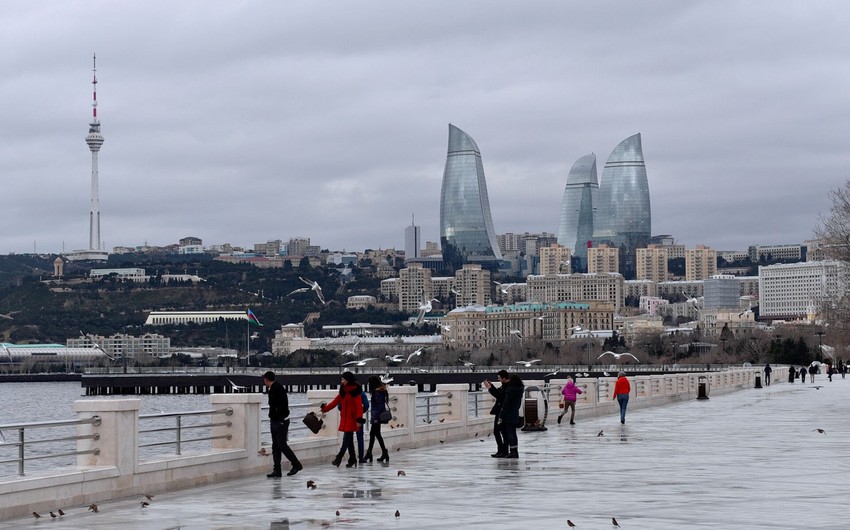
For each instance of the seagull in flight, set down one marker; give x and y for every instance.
(454, 292)
(397, 358)
(386, 379)
(255, 335)
(618, 355)
(353, 351)
(361, 362)
(235, 386)
(468, 364)
(552, 374)
(315, 287)
(416, 353)
(94, 343)
(299, 290)
(517, 332)
(502, 287)
(424, 308)
(528, 364)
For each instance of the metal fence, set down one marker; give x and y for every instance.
(54, 433)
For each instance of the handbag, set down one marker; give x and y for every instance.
(561, 404)
(313, 422)
(385, 416)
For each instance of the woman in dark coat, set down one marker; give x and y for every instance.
(380, 404)
(509, 414)
(350, 416)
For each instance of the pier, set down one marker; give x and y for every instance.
(700, 464)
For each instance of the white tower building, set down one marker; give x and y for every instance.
(94, 140)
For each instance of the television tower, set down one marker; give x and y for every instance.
(94, 140)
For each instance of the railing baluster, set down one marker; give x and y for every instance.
(21, 451)
(179, 437)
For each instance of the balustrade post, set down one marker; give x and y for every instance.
(118, 433)
(457, 395)
(244, 421)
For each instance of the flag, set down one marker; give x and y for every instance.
(252, 318)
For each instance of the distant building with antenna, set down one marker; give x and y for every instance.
(94, 139)
(412, 241)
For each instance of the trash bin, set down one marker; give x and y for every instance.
(702, 387)
(758, 381)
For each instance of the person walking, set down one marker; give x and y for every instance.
(767, 371)
(792, 373)
(509, 415)
(279, 422)
(813, 369)
(350, 416)
(570, 393)
(380, 405)
(622, 388)
(803, 374)
(498, 392)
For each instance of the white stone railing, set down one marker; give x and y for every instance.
(114, 470)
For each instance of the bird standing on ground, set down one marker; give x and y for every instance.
(397, 513)
(263, 452)
(614, 522)
(311, 485)
(570, 524)
(401, 473)
(821, 431)
(60, 511)
(34, 514)
(145, 504)
(93, 508)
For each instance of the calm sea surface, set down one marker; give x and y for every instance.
(33, 402)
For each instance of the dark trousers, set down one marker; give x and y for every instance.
(280, 434)
(360, 443)
(509, 436)
(347, 445)
(498, 435)
(375, 434)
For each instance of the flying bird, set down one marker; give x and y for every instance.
(361, 362)
(299, 290)
(353, 351)
(315, 287)
(551, 374)
(424, 308)
(617, 356)
(415, 353)
(517, 332)
(528, 364)
(468, 364)
(821, 431)
(397, 358)
(149, 497)
(502, 287)
(235, 386)
(601, 433)
(386, 379)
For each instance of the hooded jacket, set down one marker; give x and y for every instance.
(570, 391)
(351, 407)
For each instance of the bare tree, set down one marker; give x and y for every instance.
(833, 229)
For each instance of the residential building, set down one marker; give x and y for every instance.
(414, 284)
(652, 263)
(555, 259)
(603, 259)
(577, 287)
(798, 290)
(700, 263)
(472, 285)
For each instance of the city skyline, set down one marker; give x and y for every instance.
(240, 124)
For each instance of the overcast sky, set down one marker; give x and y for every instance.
(243, 122)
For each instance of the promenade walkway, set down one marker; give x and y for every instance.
(745, 460)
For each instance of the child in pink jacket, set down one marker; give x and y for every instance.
(570, 392)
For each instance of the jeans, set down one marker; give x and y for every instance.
(497, 434)
(623, 400)
(510, 439)
(280, 433)
(347, 445)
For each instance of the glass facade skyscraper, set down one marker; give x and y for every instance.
(466, 225)
(578, 208)
(623, 215)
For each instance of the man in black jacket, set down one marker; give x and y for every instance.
(499, 394)
(279, 416)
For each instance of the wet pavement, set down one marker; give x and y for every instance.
(749, 459)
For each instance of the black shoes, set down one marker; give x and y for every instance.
(352, 462)
(385, 457)
(295, 469)
(500, 454)
(572, 422)
(513, 454)
(559, 419)
(368, 457)
(337, 461)
(274, 474)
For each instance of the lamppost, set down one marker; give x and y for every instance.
(820, 335)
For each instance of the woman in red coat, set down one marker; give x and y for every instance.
(350, 416)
